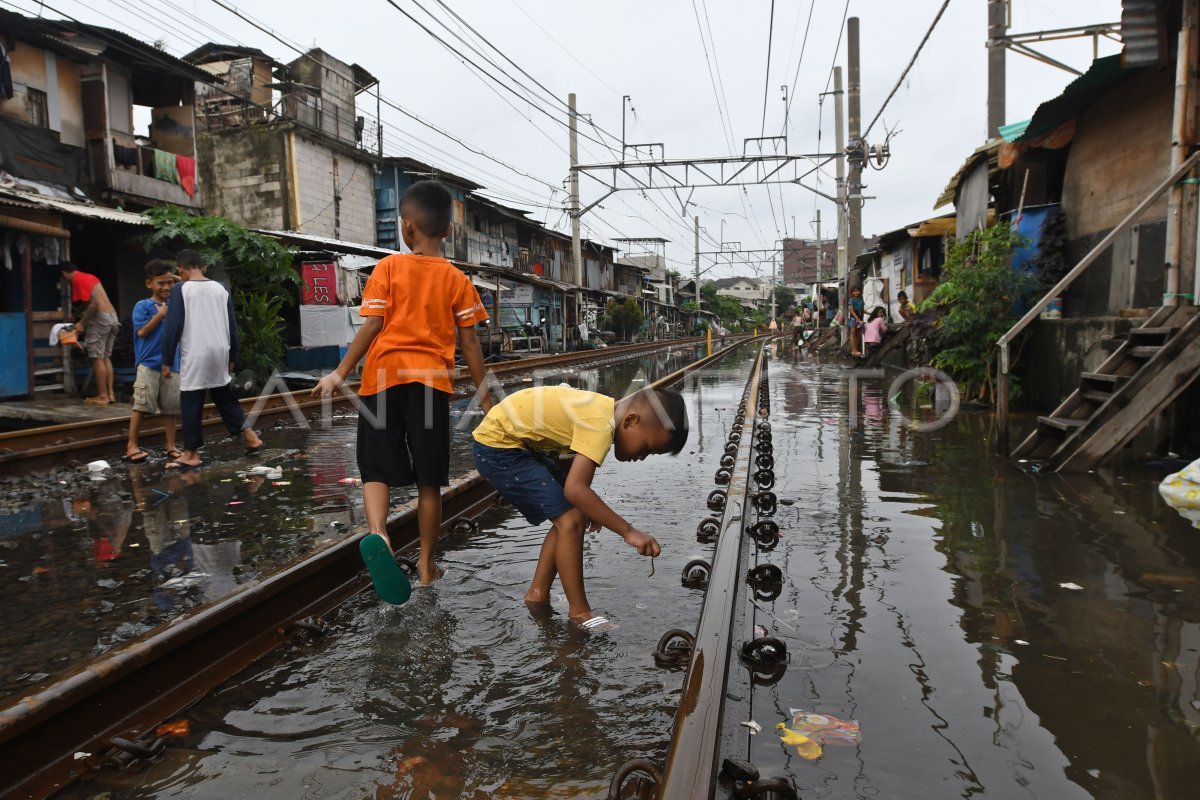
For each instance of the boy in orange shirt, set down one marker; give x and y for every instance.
(413, 305)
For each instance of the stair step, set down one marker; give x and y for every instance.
(1095, 395)
(1061, 423)
(1100, 377)
(1161, 333)
(1143, 351)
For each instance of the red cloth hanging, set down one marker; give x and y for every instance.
(186, 166)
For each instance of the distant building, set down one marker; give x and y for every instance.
(752, 293)
(805, 261)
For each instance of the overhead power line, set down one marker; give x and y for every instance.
(767, 77)
(912, 61)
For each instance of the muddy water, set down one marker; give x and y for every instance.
(930, 596)
(86, 565)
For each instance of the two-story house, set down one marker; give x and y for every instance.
(92, 122)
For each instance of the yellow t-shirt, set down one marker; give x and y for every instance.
(552, 418)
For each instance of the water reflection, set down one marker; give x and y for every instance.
(993, 631)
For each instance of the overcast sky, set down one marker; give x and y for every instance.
(653, 51)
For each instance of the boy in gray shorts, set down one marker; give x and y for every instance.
(153, 392)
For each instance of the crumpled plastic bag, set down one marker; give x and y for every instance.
(1182, 492)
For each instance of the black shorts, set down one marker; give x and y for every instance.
(404, 436)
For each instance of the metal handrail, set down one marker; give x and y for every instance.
(1002, 383)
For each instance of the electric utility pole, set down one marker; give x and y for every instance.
(997, 49)
(854, 245)
(697, 221)
(576, 245)
(840, 133)
(856, 152)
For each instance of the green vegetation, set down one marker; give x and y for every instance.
(261, 277)
(626, 317)
(975, 301)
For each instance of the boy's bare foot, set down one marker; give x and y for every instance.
(536, 597)
(429, 573)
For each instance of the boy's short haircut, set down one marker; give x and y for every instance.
(158, 266)
(189, 259)
(67, 266)
(671, 413)
(429, 206)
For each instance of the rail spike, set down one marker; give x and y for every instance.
(674, 649)
(696, 572)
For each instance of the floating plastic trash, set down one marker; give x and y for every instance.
(825, 729)
(805, 746)
(98, 466)
(1181, 491)
(1074, 587)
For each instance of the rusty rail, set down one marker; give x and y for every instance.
(691, 765)
(125, 693)
(53, 445)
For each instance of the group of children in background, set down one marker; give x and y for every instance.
(185, 345)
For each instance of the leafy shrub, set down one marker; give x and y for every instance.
(977, 295)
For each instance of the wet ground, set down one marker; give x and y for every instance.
(993, 633)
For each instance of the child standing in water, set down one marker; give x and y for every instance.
(414, 305)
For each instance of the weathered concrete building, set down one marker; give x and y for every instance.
(73, 155)
(303, 161)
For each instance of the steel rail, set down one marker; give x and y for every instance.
(127, 692)
(691, 765)
(53, 445)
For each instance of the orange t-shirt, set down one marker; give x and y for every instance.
(423, 301)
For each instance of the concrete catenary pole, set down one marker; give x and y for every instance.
(997, 48)
(696, 220)
(576, 244)
(840, 135)
(854, 188)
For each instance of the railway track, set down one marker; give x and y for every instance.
(104, 713)
(726, 657)
(55, 445)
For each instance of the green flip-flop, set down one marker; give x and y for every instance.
(391, 584)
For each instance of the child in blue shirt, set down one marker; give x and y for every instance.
(153, 392)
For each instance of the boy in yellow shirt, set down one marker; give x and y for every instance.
(513, 447)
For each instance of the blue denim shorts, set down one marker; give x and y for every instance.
(531, 481)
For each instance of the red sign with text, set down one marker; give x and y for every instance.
(320, 284)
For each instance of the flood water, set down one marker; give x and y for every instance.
(993, 633)
(87, 564)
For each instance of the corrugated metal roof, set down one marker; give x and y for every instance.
(1103, 75)
(86, 210)
(991, 151)
(1144, 32)
(1014, 130)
